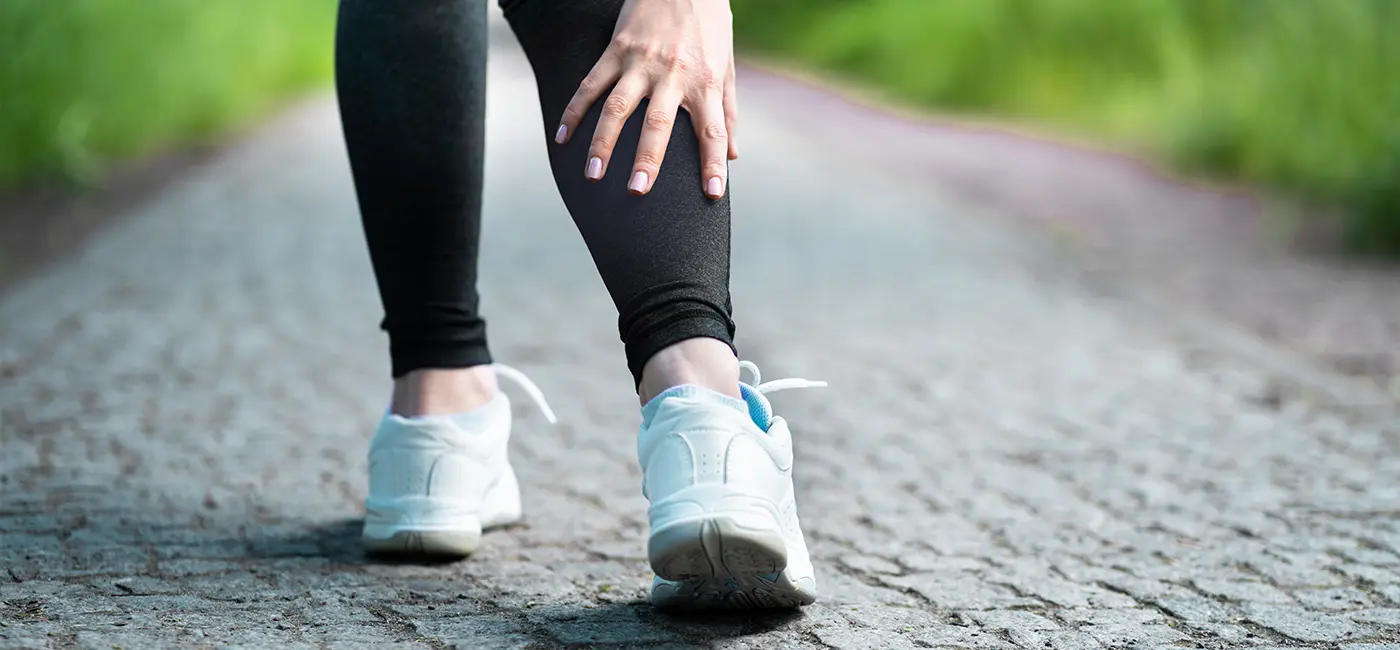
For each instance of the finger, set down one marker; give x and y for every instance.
(708, 118)
(616, 108)
(656, 134)
(603, 75)
(731, 110)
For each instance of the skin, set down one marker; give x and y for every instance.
(679, 54)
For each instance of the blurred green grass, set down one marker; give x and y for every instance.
(1300, 96)
(89, 81)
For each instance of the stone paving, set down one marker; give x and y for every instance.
(1008, 457)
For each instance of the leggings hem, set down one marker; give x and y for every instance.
(640, 349)
(446, 357)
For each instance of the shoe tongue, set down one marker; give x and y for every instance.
(760, 411)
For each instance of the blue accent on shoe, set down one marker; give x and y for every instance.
(760, 411)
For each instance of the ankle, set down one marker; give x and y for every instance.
(443, 391)
(704, 362)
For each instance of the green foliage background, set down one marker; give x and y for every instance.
(88, 80)
(1300, 95)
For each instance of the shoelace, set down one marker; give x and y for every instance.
(777, 384)
(537, 396)
(519, 379)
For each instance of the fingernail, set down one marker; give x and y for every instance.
(595, 168)
(639, 182)
(562, 133)
(716, 187)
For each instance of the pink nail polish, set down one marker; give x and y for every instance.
(562, 133)
(639, 182)
(595, 168)
(715, 188)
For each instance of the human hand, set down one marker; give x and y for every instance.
(680, 54)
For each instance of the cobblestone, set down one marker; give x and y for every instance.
(1303, 625)
(1009, 456)
(1192, 608)
(1340, 599)
(1247, 591)
(1384, 617)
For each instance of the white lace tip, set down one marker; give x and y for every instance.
(536, 395)
(817, 384)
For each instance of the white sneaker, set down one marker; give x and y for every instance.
(435, 482)
(718, 474)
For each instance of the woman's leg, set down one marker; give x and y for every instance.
(411, 80)
(716, 470)
(664, 256)
(411, 76)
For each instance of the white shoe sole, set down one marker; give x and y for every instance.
(727, 560)
(428, 526)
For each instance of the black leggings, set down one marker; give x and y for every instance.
(411, 80)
